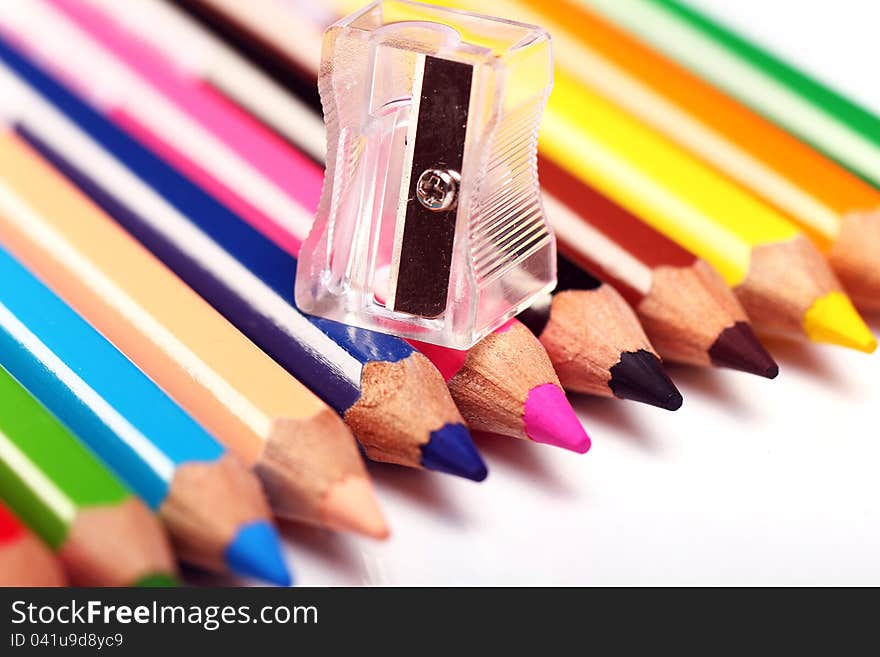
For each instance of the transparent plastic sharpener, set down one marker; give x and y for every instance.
(430, 224)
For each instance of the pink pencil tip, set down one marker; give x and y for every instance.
(550, 419)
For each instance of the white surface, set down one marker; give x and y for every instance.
(751, 482)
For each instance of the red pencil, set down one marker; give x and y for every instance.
(24, 559)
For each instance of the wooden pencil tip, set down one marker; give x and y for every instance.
(118, 545)
(351, 505)
(639, 376)
(588, 332)
(833, 319)
(406, 415)
(738, 348)
(209, 505)
(27, 561)
(686, 310)
(853, 257)
(303, 460)
(791, 290)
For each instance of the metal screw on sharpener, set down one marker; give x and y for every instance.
(437, 189)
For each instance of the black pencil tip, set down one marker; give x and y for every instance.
(738, 348)
(639, 376)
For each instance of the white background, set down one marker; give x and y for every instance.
(751, 482)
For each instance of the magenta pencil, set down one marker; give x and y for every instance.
(506, 384)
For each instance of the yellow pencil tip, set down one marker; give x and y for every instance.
(834, 320)
(351, 505)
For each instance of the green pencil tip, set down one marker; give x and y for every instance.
(160, 580)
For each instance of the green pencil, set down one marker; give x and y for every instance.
(102, 534)
(802, 105)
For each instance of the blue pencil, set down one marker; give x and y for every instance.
(211, 504)
(394, 399)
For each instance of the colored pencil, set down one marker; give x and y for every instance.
(838, 210)
(304, 455)
(783, 282)
(205, 60)
(596, 343)
(376, 386)
(506, 385)
(287, 64)
(103, 535)
(801, 104)
(687, 310)
(24, 559)
(212, 506)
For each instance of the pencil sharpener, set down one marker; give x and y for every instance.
(430, 224)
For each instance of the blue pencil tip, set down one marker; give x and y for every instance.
(451, 450)
(256, 552)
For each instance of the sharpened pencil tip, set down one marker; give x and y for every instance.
(639, 376)
(256, 552)
(738, 348)
(833, 319)
(451, 450)
(549, 418)
(351, 505)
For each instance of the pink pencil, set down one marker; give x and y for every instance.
(506, 384)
